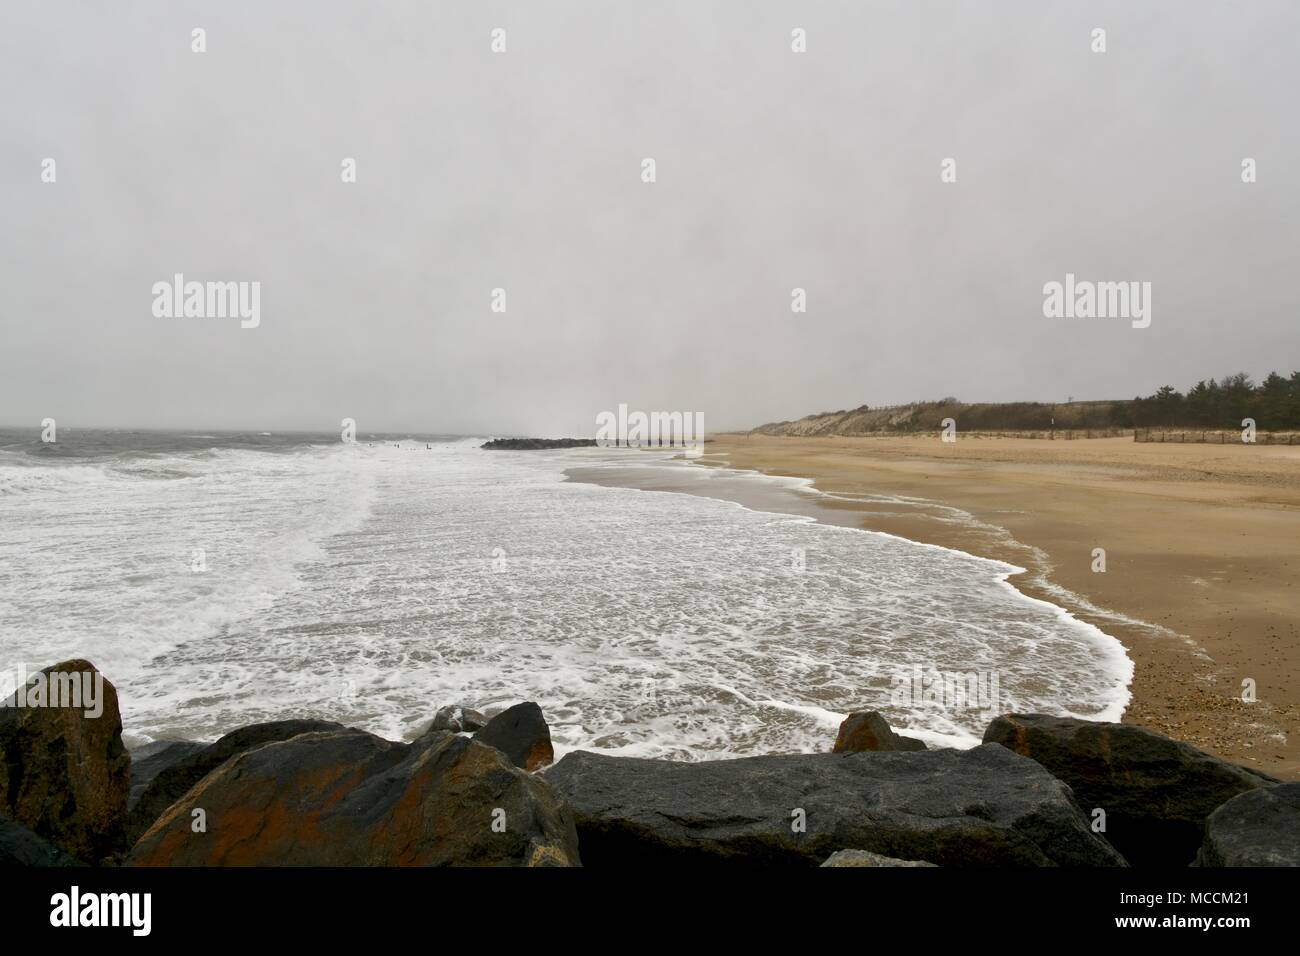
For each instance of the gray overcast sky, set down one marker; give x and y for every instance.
(522, 170)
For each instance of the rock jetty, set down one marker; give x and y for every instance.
(480, 789)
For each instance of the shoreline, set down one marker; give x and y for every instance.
(1195, 614)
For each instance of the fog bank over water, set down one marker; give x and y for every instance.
(522, 171)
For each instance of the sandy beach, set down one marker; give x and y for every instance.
(1202, 548)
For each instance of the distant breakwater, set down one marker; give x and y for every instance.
(532, 444)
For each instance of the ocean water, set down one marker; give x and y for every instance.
(372, 583)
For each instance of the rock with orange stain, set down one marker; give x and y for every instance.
(867, 730)
(520, 732)
(64, 771)
(184, 767)
(349, 798)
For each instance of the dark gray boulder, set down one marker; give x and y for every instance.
(149, 760)
(349, 798)
(867, 858)
(1156, 792)
(1256, 828)
(979, 807)
(520, 732)
(867, 730)
(19, 846)
(172, 782)
(457, 720)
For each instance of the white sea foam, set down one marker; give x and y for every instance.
(371, 585)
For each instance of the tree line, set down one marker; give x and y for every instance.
(1274, 404)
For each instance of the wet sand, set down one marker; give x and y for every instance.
(1202, 550)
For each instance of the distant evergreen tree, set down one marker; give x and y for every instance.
(1274, 404)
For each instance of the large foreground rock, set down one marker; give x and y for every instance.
(19, 846)
(1156, 792)
(867, 730)
(980, 807)
(349, 798)
(63, 774)
(520, 732)
(174, 778)
(1257, 828)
